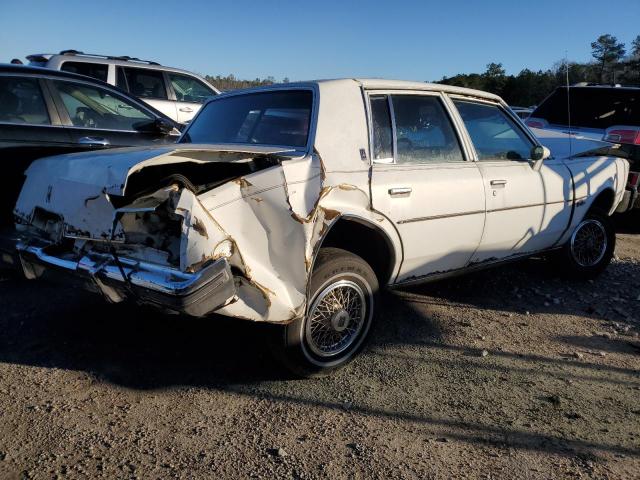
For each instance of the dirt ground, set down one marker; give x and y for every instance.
(508, 373)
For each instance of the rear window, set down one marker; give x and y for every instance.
(95, 70)
(280, 118)
(592, 107)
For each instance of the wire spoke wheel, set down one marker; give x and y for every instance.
(336, 318)
(589, 243)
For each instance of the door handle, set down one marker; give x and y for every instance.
(94, 141)
(400, 191)
(498, 183)
(186, 109)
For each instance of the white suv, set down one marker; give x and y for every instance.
(176, 93)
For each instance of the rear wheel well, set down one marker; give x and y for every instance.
(604, 201)
(365, 240)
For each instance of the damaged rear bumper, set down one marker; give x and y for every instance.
(196, 294)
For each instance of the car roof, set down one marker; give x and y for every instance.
(48, 72)
(380, 84)
(32, 70)
(106, 60)
(601, 87)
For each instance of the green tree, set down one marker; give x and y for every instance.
(495, 78)
(635, 48)
(607, 51)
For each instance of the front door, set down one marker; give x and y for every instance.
(526, 208)
(100, 117)
(423, 182)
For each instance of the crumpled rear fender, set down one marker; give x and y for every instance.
(276, 220)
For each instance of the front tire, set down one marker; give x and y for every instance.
(341, 308)
(590, 247)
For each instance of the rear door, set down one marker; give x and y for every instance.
(527, 209)
(27, 115)
(150, 86)
(29, 128)
(190, 93)
(423, 181)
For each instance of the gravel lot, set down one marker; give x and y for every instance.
(508, 373)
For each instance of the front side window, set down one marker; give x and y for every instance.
(95, 70)
(145, 83)
(494, 135)
(189, 89)
(93, 107)
(21, 101)
(266, 118)
(424, 133)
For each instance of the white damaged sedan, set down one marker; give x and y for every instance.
(293, 204)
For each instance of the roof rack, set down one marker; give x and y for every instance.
(124, 58)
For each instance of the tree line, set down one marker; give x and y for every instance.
(611, 64)
(230, 82)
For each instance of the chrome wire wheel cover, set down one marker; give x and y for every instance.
(589, 243)
(336, 318)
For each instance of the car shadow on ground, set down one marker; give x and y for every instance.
(628, 222)
(47, 326)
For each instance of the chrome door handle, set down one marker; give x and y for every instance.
(400, 191)
(186, 109)
(94, 141)
(498, 183)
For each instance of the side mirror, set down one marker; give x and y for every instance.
(163, 127)
(539, 154)
(159, 125)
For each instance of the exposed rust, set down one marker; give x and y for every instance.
(243, 182)
(330, 214)
(199, 227)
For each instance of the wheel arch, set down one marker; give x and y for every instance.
(381, 251)
(604, 201)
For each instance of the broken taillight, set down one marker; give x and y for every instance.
(629, 136)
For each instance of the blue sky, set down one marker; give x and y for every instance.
(412, 40)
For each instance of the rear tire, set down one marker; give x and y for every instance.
(590, 247)
(341, 308)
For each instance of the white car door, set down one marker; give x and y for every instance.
(148, 85)
(190, 93)
(422, 181)
(527, 209)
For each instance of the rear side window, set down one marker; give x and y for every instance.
(424, 133)
(280, 118)
(382, 133)
(494, 135)
(189, 89)
(591, 107)
(95, 70)
(146, 83)
(21, 101)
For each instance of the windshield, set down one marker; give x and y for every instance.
(280, 118)
(592, 107)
